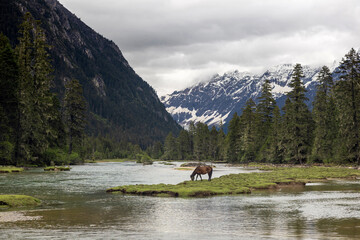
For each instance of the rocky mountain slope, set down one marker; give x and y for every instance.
(121, 104)
(217, 100)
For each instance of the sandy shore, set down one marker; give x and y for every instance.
(15, 216)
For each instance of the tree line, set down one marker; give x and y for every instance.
(36, 128)
(294, 134)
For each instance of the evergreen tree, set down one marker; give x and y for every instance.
(191, 136)
(248, 123)
(213, 143)
(24, 52)
(170, 148)
(184, 145)
(233, 139)
(347, 91)
(265, 112)
(298, 120)
(221, 144)
(35, 100)
(266, 105)
(8, 100)
(274, 153)
(74, 113)
(158, 150)
(324, 118)
(201, 141)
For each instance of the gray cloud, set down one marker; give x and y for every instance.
(174, 43)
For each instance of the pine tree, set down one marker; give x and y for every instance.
(266, 104)
(347, 92)
(248, 123)
(35, 105)
(170, 148)
(213, 143)
(324, 118)
(221, 144)
(24, 52)
(184, 145)
(74, 113)
(8, 100)
(265, 112)
(233, 139)
(201, 141)
(275, 152)
(298, 120)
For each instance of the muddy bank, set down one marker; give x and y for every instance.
(15, 216)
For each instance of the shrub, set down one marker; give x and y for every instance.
(55, 156)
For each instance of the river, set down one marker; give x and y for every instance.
(75, 206)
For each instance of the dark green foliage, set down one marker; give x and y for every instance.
(112, 89)
(201, 141)
(74, 113)
(324, 113)
(170, 148)
(233, 139)
(274, 149)
(248, 130)
(347, 97)
(30, 113)
(262, 134)
(35, 104)
(184, 145)
(297, 121)
(264, 128)
(221, 145)
(8, 100)
(156, 150)
(96, 148)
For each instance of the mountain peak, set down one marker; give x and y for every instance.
(215, 101)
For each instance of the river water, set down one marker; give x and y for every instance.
(77, 207)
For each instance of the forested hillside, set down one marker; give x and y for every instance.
(294, 134)
(120, 105)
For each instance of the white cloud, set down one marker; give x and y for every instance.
(174, 43)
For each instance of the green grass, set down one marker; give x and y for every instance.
(10, 169)
(18, 201)
(241, 183)
(57, 168)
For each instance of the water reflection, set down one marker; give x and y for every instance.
(76, 207)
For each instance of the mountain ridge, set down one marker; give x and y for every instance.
(121, 105)
(215, 101)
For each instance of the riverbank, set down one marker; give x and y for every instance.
(18, 201)
(242, 183)
(9, 169)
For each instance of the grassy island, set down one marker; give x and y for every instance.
(243, 182)
(18, 201)
(10, 169)
(57, 168)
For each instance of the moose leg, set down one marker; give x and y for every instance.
(200, 177)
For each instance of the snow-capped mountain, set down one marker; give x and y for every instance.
(217, 100)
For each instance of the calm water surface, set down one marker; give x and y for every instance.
(77, 207)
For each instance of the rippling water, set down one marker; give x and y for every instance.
(77, 207)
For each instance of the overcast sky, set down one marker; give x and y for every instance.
(173, 44)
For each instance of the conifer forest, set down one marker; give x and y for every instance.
(292, 135)
(40, 128)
